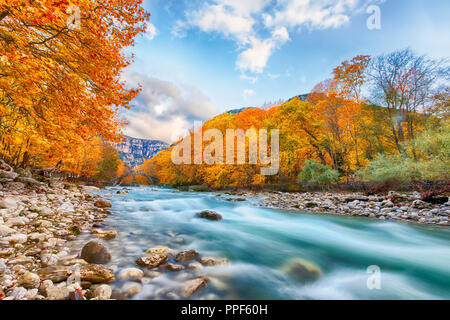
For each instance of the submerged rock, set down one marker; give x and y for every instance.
(95, 252)
(103, 292)
(131, 273)
(131, 288)
(192, 286)
(209, 261)
(302, 270)
(210, 215)
(173, 267)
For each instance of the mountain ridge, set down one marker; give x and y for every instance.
(135, 151)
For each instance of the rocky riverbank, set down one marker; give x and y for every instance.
(39, 219)
(393, 206)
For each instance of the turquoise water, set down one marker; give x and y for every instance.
(414, 260)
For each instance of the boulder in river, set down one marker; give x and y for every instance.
(95, 252)
(102, 204)
(187, 255)
(131, 288)
(210, 215)
(152, 261)
(192, 286)
(173, 267)
(302, 270)
(103, 292)
(160, 250)
(131, 273)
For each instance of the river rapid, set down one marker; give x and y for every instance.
(414, 260)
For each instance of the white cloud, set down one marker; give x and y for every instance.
(248, 93)
(152, 32)
(248, 22)
(219, 18)
(249, 78)
(254, 59)
(163, 108)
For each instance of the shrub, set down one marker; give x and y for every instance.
(317, 174)
(390, 169)
(433, 160)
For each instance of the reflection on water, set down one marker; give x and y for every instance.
(414, 260)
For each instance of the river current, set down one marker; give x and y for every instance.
(414, 260)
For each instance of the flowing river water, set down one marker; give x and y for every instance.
(414, 260)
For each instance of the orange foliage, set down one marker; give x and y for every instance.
(61, 87)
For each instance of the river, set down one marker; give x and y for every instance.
(414, 260)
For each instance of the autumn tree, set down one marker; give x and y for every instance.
(60, 85)
(404, 83)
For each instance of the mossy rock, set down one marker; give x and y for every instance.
(302, 270)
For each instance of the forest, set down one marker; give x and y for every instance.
(60, 86)
(381, 119)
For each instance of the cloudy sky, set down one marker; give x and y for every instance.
(200, 58)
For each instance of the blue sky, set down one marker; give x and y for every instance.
(203, 57)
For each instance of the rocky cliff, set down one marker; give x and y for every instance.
(134, 151)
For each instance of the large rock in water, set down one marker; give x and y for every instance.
(152, 261)
(192, 286)
(103, 292)
(102, 204)
(131, 273)
(302, 270)
(187, 255)
(95, 252)
(210, 215)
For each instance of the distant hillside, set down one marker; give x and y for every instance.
(302, 97)
(133, 152)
